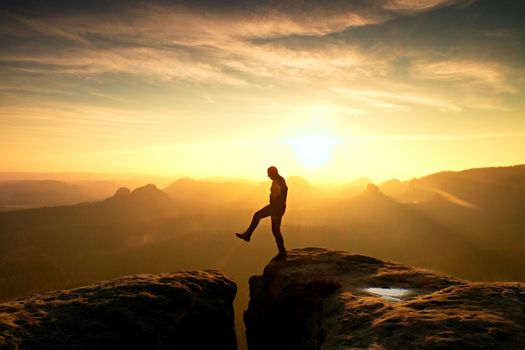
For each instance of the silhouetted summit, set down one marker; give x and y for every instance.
(371, 195)
(370, 187)
(122, 192)
(148, 193)
(484, 188)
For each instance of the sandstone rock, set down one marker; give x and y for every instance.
(319, 299)
(180, 310)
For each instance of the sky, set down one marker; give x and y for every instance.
(329, 90)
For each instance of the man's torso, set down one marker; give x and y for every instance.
(278, 192)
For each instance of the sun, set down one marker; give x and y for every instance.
(313, 151)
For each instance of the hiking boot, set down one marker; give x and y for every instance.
(243, 236)
(280, 256)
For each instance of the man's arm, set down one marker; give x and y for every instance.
(284, 190)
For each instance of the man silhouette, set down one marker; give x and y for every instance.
(275, 209)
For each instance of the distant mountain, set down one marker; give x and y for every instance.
(490, 188)
(436, 233)
(45, 193)
(383, 220)
(360, 182)
(298, 183)
(147, 230)
(58, 243)
(34, 193)
(145, 198)
(395, 187)
(300, 193)
(483, 204)
(354, 187)
(103, 188)
(208, 191)
(143, 203)
(127, 179)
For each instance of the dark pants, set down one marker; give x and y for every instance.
(277, 214)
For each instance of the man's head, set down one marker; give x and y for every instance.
(272, 172)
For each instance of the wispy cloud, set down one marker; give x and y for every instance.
(437, 137)
(194, 72)
(416, 6)
(249, 44)
(182, 42)
(57, 118)
(397, 101)
(489, 75)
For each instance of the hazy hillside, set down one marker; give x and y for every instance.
(202, 191)
(27, 193)
(125, 179)
(197, 222)
(148, 231)
(485, 204)
(483, 187)
(245, 195)
(33, 193)
(103, 188)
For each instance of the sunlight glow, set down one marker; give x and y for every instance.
(313, 151)
(231, 87)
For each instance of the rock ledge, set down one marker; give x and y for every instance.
(319, 299)
(179, 310)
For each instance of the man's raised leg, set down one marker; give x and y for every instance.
(264, 212)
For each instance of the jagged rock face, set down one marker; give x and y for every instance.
(180, 310)
(319, 299)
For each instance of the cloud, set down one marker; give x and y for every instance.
(253, 44)
(247, 18)
(184, 40)
(55, 119)
(489, 75)
(437, 137)
(397, 101)
(417, 6)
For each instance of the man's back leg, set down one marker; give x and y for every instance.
(276, 230)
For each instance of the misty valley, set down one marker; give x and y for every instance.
(468, 224)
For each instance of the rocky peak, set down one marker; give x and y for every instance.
(321, 299)
(179, 310)
(122, 192)
(370, 187)
(147, 197)
(149, 192)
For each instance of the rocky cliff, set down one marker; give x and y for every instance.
(180, 310)
(320, 299)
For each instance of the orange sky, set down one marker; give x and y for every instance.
(330, 91)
